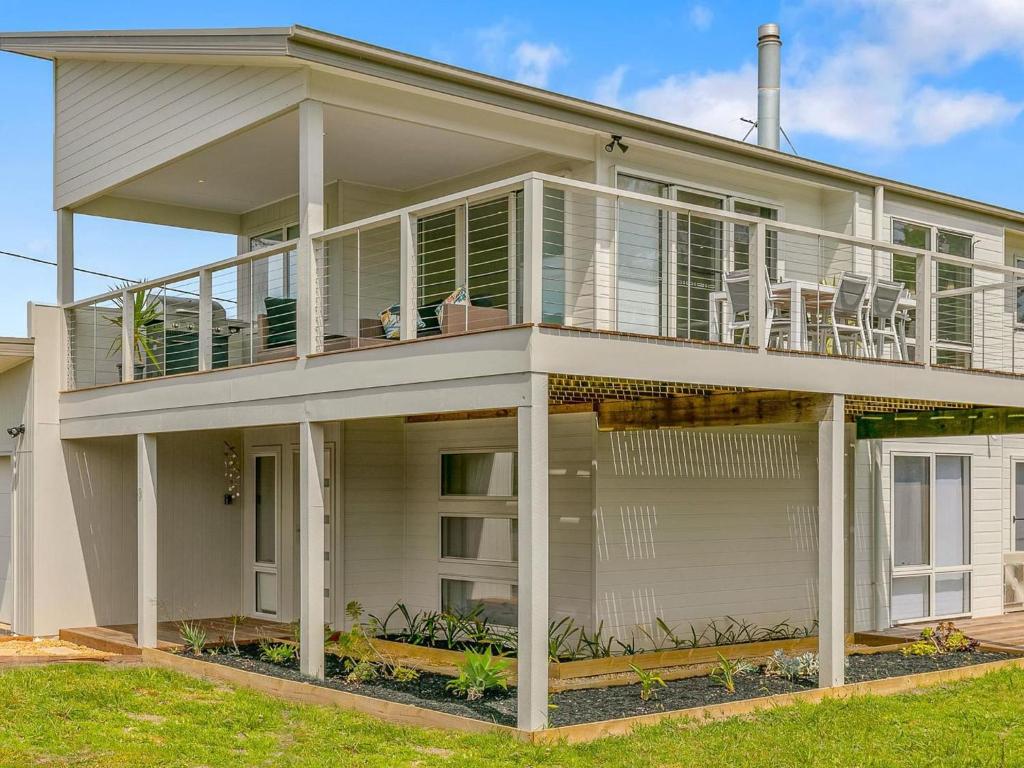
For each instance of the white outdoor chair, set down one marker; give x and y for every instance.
(846, 316)
(737, 286)
(883, 322)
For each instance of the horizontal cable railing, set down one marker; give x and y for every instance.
(542, 249)
(234, 312)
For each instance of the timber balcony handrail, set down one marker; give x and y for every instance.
(569, 253)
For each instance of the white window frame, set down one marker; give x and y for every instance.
(1018, 323)
(473, 577)
(461, 498)
(284, 258)
(252, 566)
(934, 230)
(470, 560)
(729, 200)
(931, 570)
(1014, 511)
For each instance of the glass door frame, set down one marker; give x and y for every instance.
(930, 570)
(251, 566)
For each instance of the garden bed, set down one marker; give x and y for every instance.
(595, 704)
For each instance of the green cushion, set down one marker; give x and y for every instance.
(280, 322)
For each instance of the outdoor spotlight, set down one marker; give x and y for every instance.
(616, 142)
(15, 431)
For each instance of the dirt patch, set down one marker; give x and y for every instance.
(43, 647)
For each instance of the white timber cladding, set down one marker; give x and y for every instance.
(991, 489)
(7, 575)
(696, 525)
(115, 120)
(93, 578)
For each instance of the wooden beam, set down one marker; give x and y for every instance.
(953, 422)
(727, 409)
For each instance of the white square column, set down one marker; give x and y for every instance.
(311, 220)
(311, 549)
(831, 546)
(533, 557)
(147, 542)
(65, 256)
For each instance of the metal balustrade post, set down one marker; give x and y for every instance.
(923, 340)
(205, 320)
(758, 286)
(127, 336)
(407, 267)
(533, 251)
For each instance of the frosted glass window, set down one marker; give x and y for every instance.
(480, 538)
(952, 593)
(909, 598)
(266, 592)
(911, 481)
(952, 511)
(266, 509)
(479, 474)
(497, 602)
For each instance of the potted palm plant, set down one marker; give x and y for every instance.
(145, 311)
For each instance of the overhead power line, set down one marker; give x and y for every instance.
(83, 270)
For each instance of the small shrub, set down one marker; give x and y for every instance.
(363, 672)
(802, 667)
(277, 653)
(236, 621)
(950, 639)
(402, 674)
(726, 671)
(193, 636)
(480, 673)
(920, 648)
(648, 680)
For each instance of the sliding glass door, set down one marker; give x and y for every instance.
(931, 523)
(640, 259)
(698, 266)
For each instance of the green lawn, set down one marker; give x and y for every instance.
(107, 716)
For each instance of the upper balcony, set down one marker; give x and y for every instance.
(555, 253)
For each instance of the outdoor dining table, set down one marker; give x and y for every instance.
(797, 296)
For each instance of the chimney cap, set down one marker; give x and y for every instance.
(768, 33)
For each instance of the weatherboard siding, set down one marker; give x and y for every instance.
(116, 120)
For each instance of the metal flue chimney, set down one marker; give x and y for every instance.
(769, 69)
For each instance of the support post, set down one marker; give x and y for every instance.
(65, 256)
(533, 240)
(923, 311)
(205, 320)
(533, 557)
(831, 546)
(128, 335)
(877, 219)
(311, 549)
(311, 221)
(147, 542)
(407, 267)
(758, 286)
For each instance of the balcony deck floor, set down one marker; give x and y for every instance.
(1006, 630)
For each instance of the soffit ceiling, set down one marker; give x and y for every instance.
(260, 165)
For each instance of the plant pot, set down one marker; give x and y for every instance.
(138, 373)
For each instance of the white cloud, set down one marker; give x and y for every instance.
(711, 102)
(608, 88)
(534, 62)
(881, 86)
(701, 16)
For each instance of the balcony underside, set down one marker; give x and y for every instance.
(487, 370)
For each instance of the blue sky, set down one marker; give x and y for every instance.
(925, 91)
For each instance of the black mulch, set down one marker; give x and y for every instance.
(590, 705)
(427, 691)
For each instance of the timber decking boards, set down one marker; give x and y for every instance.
(1006, 630)
(122, 638)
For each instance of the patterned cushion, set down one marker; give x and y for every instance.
(391, 322)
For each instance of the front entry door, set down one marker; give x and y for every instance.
(328, 534)
(1013, 560)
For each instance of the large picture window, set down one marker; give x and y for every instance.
(931, 532)
(480, 539)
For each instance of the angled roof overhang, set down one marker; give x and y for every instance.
(297, 45)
